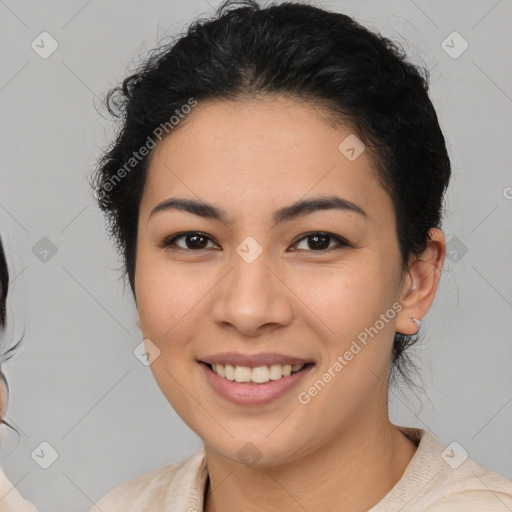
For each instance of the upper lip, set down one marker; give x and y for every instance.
(253, 360)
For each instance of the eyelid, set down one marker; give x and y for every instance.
(342, 242)
(169, 241)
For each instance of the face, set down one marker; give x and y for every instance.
(303, 285)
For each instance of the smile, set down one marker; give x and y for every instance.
(258, 385)
(256, 375)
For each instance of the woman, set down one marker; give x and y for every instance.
(276, 193)
(10, 498)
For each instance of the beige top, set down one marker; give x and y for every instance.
(10, 498)
(429, 484)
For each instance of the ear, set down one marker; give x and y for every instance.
(420, 285)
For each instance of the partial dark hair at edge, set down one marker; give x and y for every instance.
(4, 288)
(360, 78)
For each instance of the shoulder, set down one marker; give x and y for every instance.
(10, 499)
(481, 500)
(144, 486)
(471, 484)
(445, 479)
(159, 487)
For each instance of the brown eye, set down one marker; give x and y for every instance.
(320, 241)
(193, 240)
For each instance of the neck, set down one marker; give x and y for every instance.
(357, 468)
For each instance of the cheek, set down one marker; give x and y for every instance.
(344, 298)
(166, 294)
(167, 301)
(337, 299)
(347, 303)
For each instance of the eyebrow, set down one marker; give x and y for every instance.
(285, 214)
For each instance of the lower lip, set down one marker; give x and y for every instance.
(253, 394)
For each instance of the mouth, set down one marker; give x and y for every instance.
(254, 385)
(256, 375)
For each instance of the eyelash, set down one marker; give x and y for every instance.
(168, 242)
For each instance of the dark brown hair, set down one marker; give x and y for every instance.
(4, 356)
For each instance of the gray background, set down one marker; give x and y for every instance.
(76, 383)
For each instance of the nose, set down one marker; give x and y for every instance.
(252, 298)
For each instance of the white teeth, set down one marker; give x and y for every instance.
(229, 370)
(258, 374)
(276, 372)
(242, 374)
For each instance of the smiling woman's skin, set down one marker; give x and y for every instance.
(251, 158)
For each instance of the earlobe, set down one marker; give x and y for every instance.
(421, 283)
(416, 321)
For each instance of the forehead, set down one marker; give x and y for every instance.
(262, 151)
